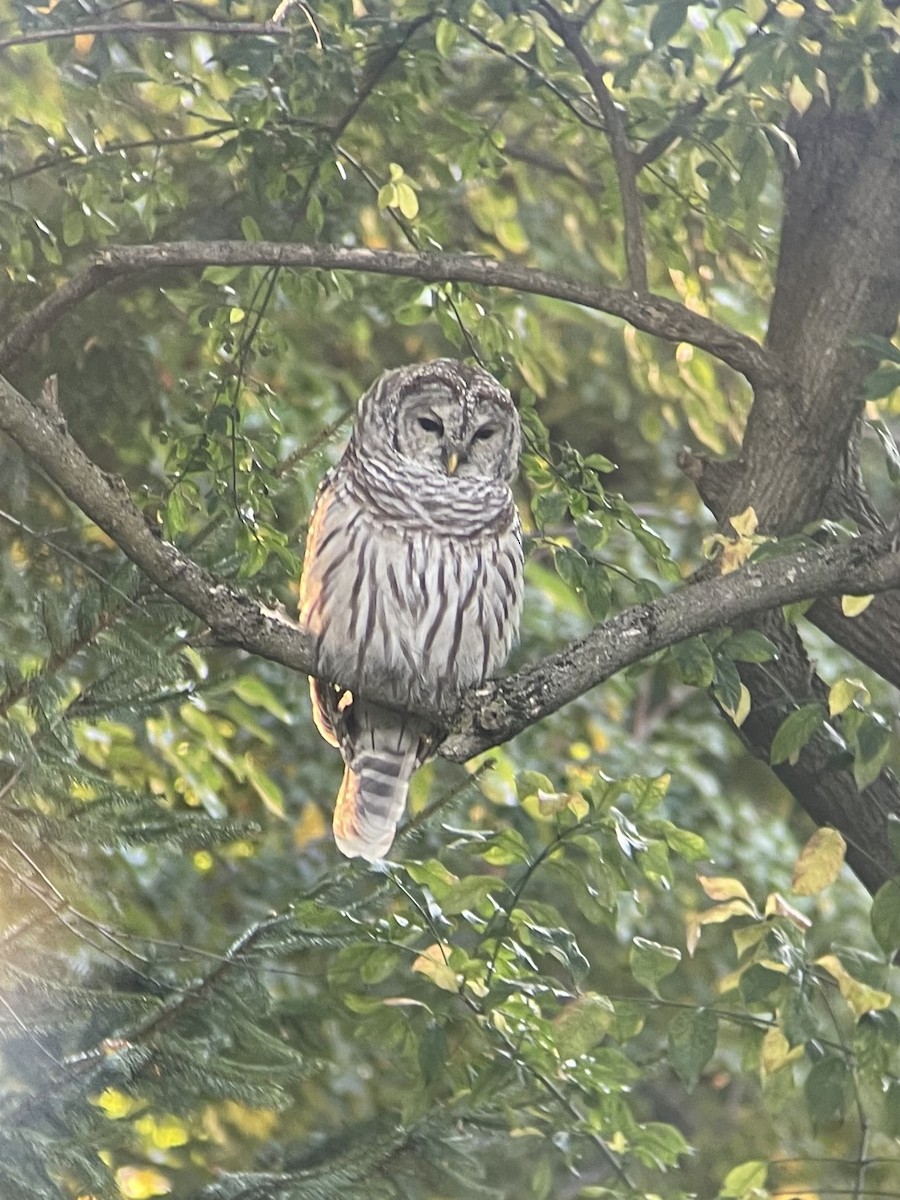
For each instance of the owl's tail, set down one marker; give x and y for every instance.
(373, 796)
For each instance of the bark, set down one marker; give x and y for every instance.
(838, 278)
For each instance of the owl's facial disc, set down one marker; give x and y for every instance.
(452, 438)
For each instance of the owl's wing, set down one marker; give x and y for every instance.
(325, 698)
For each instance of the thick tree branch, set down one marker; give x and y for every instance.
(657, 315)
(626, 162)
(42, 435)
(838, 278)
(500, 710)
(873, 636)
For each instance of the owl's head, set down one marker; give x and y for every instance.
(446, 416)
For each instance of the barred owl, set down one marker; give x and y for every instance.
(412, 579)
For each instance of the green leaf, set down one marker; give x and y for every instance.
(694, 662)
(798, 1018)
(872, 742)
(744, 1178)
(433, 1052)
(758, 982)
(825, 1089)
(505, 848)
(446, 34)
(549, 507)
(881, 382)
(891, 451)
(692, 1043)
(651, 962)
(881, 347)
(795, 731)
(592, 534)
(749, 646)
(315, 213)
(727, 684)
(885, 916)
(667, 20)
(582, 1024)
(250, 229)
(660, 1146)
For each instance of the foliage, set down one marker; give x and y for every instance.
(607, 959)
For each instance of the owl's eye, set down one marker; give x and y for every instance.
(482, 434)
(432, 425)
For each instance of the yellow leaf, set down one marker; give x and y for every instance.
(551, 803)
(844, 693)
(852, 606)
(777, 1051)
(579, 806)
(311, 826)
(735, 552)
(819, 863)
(791, 9)
(116, 1104)
(741, 710)
(142, 1183)
(799, 95)
(407, 200)
(433, 964)
(720, 887)
(746, 523)
(859, 996)
(387, 196)
(777, 906)
(164, 1132)
(724, 912)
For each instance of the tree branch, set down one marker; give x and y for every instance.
(236, 619)
(653, 314)
(519, 60)
(157, 28)
(626, 162)
(501, 709)
(491, 714)
(63, 158)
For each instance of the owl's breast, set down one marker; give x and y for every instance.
(408, 612)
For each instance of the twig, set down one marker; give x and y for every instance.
(570, 102)
(157, 28)
(685, 117)
(626, 162)
(48, 162)
(319, 439)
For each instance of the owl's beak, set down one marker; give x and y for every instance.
(452, 461)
